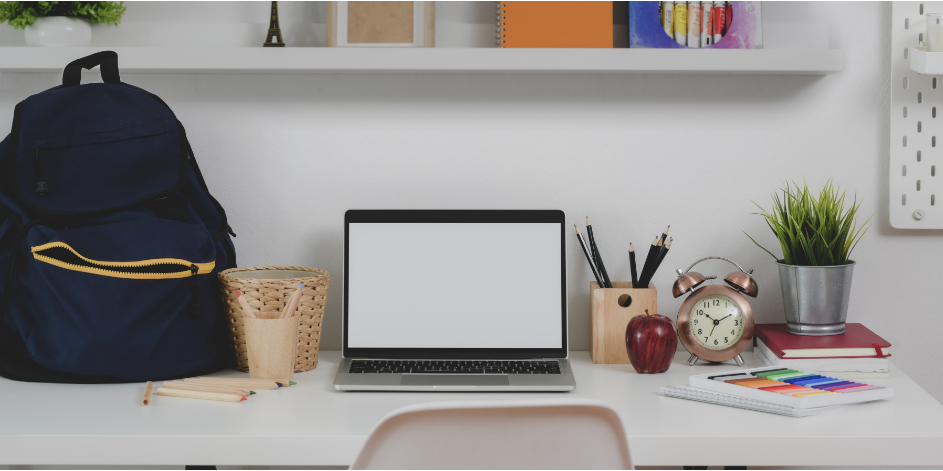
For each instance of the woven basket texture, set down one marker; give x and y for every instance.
(272, 295)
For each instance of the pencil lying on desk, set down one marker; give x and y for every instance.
(254, 385)
(146, 400)
(205, 388)
(210, 396)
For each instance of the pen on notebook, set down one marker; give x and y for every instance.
(632, 265)
(599, 262)
(589, 258)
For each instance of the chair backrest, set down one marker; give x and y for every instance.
(549, 434)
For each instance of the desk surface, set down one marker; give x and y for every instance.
(311, 424)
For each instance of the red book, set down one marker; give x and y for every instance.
(857, 342)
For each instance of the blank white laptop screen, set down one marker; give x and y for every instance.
(454, 285)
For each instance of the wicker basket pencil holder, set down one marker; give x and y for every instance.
(268, 289)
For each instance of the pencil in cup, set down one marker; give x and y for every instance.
(246, 309)
(272, 345)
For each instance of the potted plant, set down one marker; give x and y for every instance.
(817, 236)
(59, 23)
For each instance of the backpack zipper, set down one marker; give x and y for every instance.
(62, 255)
(42, 188)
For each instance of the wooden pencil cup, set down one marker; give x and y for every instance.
(272, 345)
(611, 309)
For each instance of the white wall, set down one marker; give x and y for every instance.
(288, 154)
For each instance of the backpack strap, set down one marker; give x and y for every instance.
(108, 60)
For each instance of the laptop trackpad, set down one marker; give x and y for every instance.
(454, 380)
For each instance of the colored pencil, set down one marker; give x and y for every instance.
(204, 388)
(246, 309)
(292, 303)
(632, 265)
(589, 257)
(146, 400)
(234, 384)
(200, 395)
(599, 262)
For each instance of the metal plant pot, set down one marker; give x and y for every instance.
(816, 298)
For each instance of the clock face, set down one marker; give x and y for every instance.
(717, 322)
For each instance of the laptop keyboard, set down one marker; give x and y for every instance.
(532, 367)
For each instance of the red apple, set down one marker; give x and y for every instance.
(651, 341)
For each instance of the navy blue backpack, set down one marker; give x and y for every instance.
(110, 242)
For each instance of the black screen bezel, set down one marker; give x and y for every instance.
(457, 216)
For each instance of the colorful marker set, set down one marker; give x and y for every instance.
(793, 382)
(788, 387)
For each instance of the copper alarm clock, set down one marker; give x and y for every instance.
(715, 323)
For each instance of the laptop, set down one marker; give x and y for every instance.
(454, 300)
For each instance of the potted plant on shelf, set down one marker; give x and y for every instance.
(817, 236)
(59, 23)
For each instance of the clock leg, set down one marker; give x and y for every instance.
(692, 360)
(739, 360)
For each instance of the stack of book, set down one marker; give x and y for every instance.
(858, 353)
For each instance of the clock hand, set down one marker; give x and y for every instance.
(709, 317)
(712, 331)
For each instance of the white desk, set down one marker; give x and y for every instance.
(311, 424)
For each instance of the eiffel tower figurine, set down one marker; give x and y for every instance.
(274, 36)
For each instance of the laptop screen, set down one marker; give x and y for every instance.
(441, 284)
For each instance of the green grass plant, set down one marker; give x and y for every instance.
(22, 14)
(813, 231)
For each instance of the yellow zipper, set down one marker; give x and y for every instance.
(185, 266)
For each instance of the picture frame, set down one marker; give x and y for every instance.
(380, 24)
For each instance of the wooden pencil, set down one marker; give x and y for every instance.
(599, 263)
(649, 260)
(589, 257)
(664, 234)
(210, 396)
(236, 382)
(246, 309)
(146, 400)
(204, 388)
(661, 255)
(292, 303)
(632, 265)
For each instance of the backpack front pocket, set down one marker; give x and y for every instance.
(132, 300)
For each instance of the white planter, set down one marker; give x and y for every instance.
(59, 31)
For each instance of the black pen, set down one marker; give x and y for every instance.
(595, 248)
(589, 258)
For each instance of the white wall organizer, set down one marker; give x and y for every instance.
(916, 158)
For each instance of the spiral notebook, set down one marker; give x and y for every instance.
(554, 24)
(712, 397)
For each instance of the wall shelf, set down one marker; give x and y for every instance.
(926, 63)
(443, 60)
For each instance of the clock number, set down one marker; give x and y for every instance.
(707, 304)
(725, 340)
(700, 312)
(715, 342)
(732, 332)
(717, 302)
(700, 332)
(736, 322)
(705, 339)
(695, 321)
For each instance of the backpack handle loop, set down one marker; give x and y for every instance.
(108, 60)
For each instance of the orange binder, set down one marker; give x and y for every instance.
(555, 24)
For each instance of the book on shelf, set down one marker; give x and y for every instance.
(857, 342)
(564, 24)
